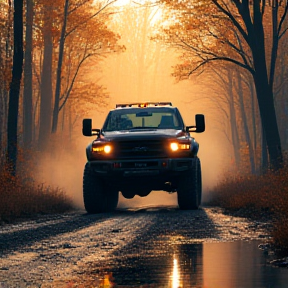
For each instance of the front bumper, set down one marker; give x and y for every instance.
(138, 168)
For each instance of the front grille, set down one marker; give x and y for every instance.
(140, 149)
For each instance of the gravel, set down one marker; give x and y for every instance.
(61, 250)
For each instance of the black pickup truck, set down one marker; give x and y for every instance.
(142, 147)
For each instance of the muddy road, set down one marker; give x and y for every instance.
(140, 247)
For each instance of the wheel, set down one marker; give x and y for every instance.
(190, 187)
(96, 198)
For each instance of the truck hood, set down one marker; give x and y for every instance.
(142, 134)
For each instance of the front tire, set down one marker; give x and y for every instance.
(96, 198)
(189, 189)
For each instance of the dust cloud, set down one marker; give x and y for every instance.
(64, 170)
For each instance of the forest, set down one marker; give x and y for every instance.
(235, 51)
(240, 49)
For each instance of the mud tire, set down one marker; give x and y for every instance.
(96, 198)
(189, 191)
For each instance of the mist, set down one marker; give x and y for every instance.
(141, 73)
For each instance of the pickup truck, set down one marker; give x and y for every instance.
(142, 147)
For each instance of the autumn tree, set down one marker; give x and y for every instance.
(82, 22)
(234, 31)
(12, 141)
(86, 36)
(6, 48)
(48, 17)
(28, 82)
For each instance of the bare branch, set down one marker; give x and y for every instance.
(232, 18)
(282, 21)
(89, 18)
(73, 80)
(221, 59)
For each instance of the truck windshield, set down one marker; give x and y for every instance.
(139, 118)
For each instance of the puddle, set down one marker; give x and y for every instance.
(236, 264)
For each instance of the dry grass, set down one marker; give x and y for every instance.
(258, 196)
(24, 198)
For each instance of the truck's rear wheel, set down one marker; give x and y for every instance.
(190, 188)
(96, 198)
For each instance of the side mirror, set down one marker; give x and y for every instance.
(87, 128)
(200, 124)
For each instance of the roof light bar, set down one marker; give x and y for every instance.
(145, 104)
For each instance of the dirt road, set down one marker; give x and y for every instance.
(80, 250)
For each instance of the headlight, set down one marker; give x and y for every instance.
(174, 146)
(103, 148)
(107, 149)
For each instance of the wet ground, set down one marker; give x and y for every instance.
(141, 247)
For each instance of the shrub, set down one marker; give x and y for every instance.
(258, 196)
(20, 198)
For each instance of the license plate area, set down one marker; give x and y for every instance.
(139, 165)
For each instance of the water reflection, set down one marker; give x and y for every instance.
(207, 265)
(175, 275)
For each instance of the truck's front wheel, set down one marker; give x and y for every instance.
(189, 188)
(97, 199)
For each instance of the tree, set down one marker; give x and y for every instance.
(46, 93)
(27, 96)
(6, 48)
(15, 86)
(234, 31)
(63, 36)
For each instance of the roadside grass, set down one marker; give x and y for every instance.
(256, 197)
(25, 198)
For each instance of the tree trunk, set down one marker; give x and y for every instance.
(264, 89)
(1, 127)
(245, 124)
(59, 68)
(46, 84)
(268, 117)
(264, 154)
(27, 96)
(233, 122)
(254, 112)
(7, 55)
(15, 86)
